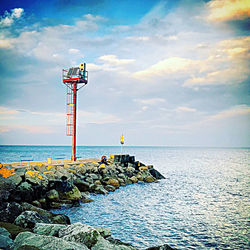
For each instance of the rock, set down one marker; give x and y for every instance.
(104, 232)
(9, 211)
(128, 181)
(43, 203)
(82, 185)
(89, 180)
(28, 219)
(6, 184)
(100, 190)
(139, 177)
(163, 247)
(80, 233)
(113, 182)
(13, 229)
(16, 179)
(117, 244)
(149, 179)
(133, 179)
(36, 203)
(60, 219)
(103, 244)
(55, 218)
(94, 177)
(5, 241)
(130, 171)
(156, 174)
(98, 182)
(52, 195)
(29, 240)
(55, 205)
(87, 200)
(110, 188)
(25, 191)
(37, 178)
(4, 195)
(47, 229)
(122, 176)
(72, 195)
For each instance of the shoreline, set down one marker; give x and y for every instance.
(33, 189)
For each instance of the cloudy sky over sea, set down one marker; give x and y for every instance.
(172, 73)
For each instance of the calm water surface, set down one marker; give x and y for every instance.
(202, 204)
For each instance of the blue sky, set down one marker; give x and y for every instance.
(172, 73)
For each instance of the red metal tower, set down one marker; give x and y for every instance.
(74, 78)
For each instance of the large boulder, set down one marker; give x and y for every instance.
(9, 211)
(28, 219)
(37, 178)
(99, 189)
(82, 185)
(52, 195)
(25, 191)
(55, 218)
(133, 179)
(105, 232)
(5, 241)
(13, 229)
(72, 195)
(29, 240)
(113, 182)
(47, 229)
(4, 195)
(80, 233)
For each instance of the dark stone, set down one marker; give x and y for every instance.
(156, 174)
(131, 159)
(117, 242)
(28, 219)
(9, 211)
(4, 195)
(13, 229)
(163, 247)
(82, 185)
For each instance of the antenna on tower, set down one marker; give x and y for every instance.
(74, 78)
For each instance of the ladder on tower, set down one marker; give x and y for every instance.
(69, 110)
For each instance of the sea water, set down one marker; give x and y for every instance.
(202, 204)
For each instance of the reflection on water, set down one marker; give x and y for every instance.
(202, 204)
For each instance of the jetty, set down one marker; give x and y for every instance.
(29, 189)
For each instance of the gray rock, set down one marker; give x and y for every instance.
(80, 233)
(103, 244)
(47, 229)
(29, 240)
(156, 174)
(89, 180)
(105, 232)
(16, 179)
(110, 188)
(94, 177)
(100, 190)
(25, 186)
(5, 241)
(9, 211)
(28, 219)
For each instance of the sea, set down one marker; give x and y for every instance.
(202, 204)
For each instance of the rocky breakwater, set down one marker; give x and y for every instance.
(27, 192)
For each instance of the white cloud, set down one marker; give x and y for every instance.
(165, 67)
(226, 10)
(150, 101)
(74, 51)
(185, 109)
(138, 38)
(9, 18)
(114, 61)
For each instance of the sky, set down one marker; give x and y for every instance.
(161, 72)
